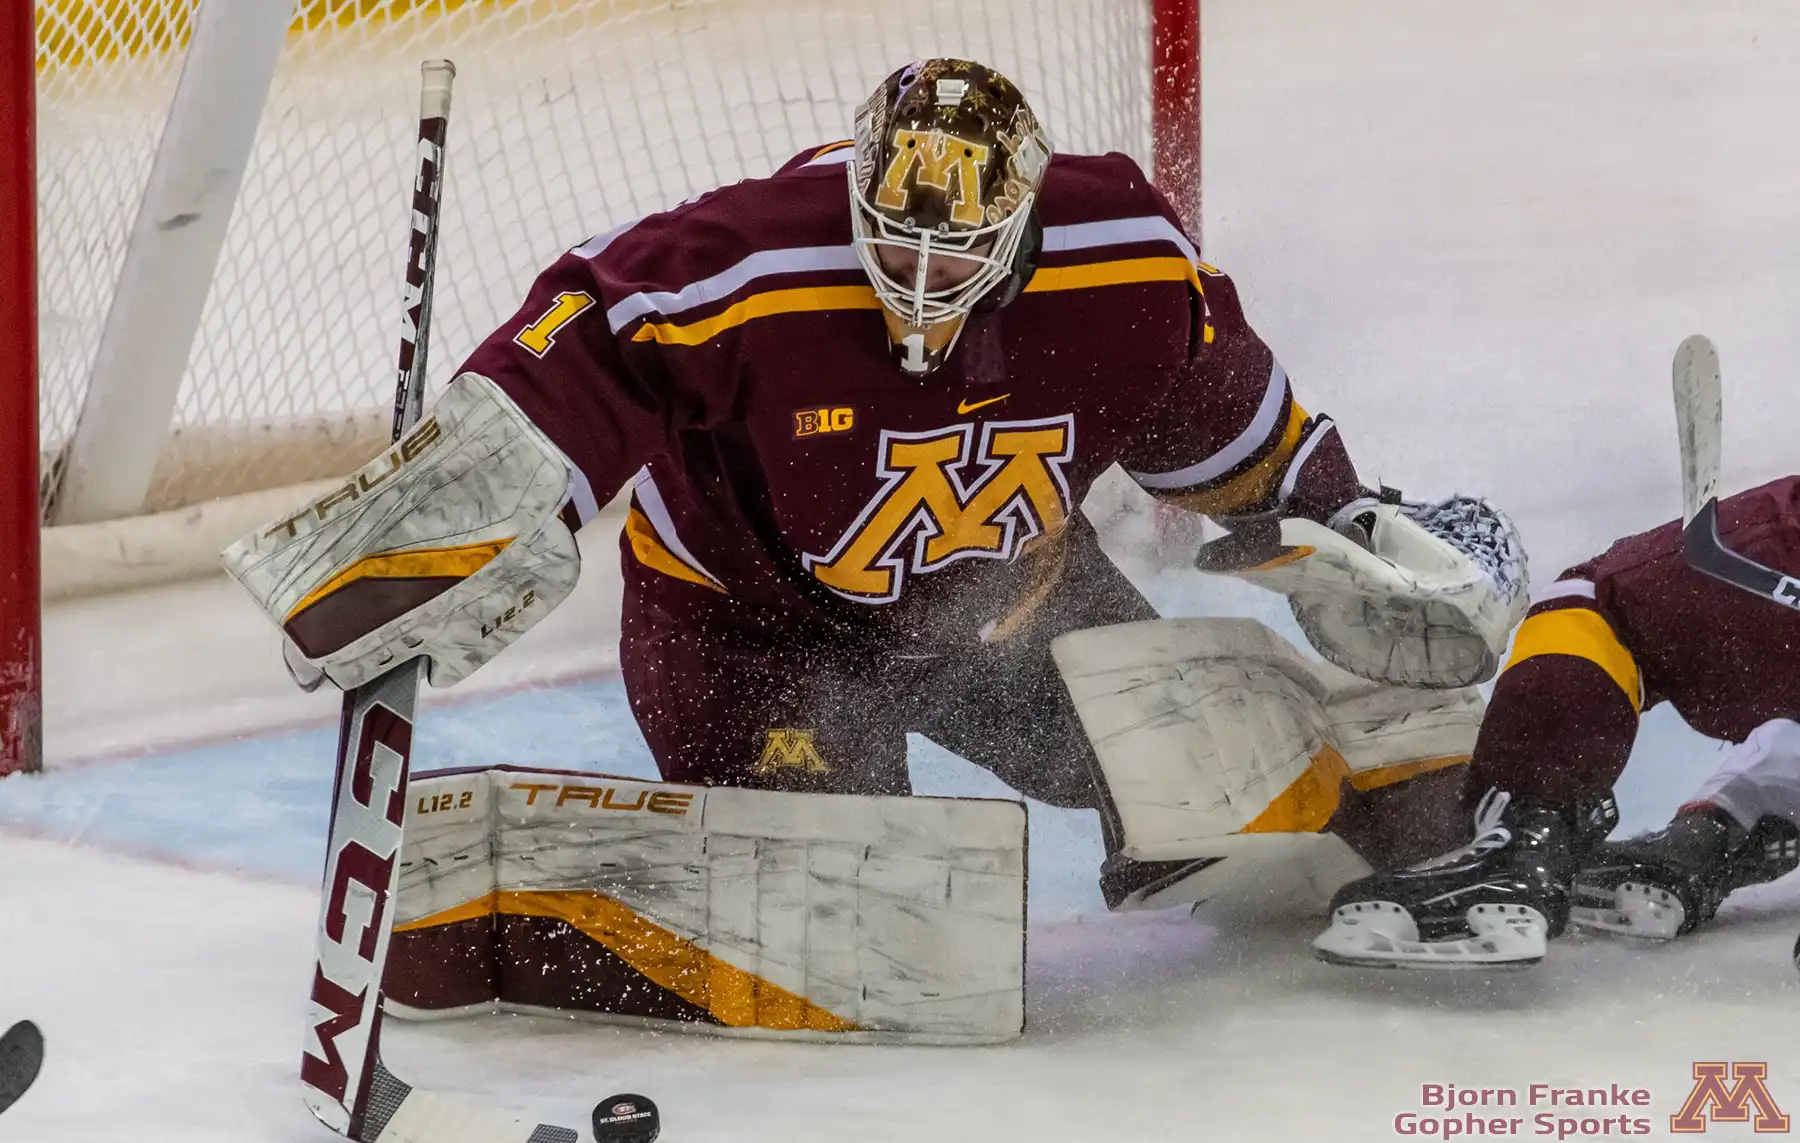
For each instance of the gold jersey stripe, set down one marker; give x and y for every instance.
(421, 563)
(655, 555)
(1253, 485)
(811, 299)
(1583, 634)
(800, 300)
(1125, 271)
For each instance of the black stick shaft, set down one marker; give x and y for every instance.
(421, 254)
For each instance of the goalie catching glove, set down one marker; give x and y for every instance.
(448, 547)
(1420, 595)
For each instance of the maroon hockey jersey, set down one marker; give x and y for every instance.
(729, 357)
(1635, 627)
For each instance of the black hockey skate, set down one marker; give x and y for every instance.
(1666, 884)
(1493, 903)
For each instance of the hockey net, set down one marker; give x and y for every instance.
(571, 116)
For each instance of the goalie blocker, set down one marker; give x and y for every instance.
(449, 546)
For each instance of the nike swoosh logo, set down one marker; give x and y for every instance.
(963, 408)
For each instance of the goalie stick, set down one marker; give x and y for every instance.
(1698, 412)
(343, 1078)
(21, 1057)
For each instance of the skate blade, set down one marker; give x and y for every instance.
(1634, 909)
(1383, 935)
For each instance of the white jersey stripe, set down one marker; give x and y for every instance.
(1324, 428)
(841, 155)
(1118, 232)
(762, 264)
(1564, 589)
(662, 523)
(582, 493)
(801, 259)
(1262, 427)
(597, 245)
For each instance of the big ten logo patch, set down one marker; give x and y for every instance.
(813, 422)
(789, 748)
(1720, 1102)
(947, 496)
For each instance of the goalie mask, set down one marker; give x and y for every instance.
(949, 159)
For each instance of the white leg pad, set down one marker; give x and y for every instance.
(1218, 738)
(724, 911)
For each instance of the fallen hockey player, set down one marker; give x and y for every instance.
(859, 402)
(1614, 636)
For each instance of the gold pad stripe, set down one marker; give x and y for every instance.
(468, 911)
(737, 998)
(1380, 776)
(1583, 634)
(1292, 555)
(420, 563)
(1308, 803)
(655, 555)
(803, 299)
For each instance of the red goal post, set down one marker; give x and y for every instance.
(21, 664)
(219, 185)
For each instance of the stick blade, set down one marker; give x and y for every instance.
(428, 1118)
(21, 1058)
(1698, 411)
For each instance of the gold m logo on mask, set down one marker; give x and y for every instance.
(927, 516)
(936, 156)
(1729, 1104)
(789, 749)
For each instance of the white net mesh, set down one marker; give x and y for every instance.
(570, 116)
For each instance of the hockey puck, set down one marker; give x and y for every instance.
(626, 1119)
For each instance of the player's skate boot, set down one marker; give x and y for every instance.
(1667, 883)
(1492, 903)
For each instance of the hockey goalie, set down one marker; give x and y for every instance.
(858, 403)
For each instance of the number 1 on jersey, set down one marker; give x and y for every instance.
(914, 343)
(540, 335)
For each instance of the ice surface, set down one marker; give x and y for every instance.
(1475, 234)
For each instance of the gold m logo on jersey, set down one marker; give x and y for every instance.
(789, 749)
(945, 499)
(936, 156)
(1729, 1104)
